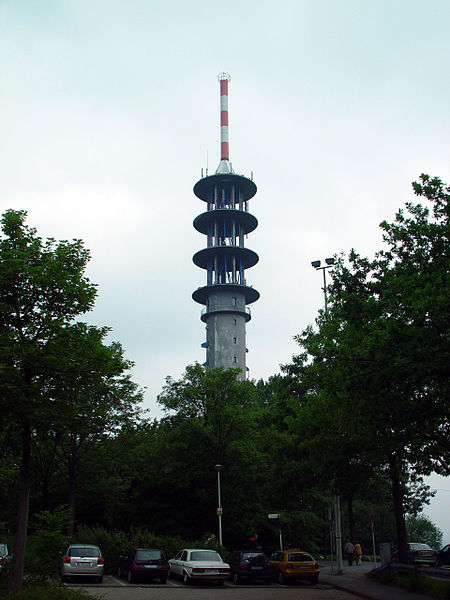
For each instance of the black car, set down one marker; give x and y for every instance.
(247, 565)
(143, 564)
(443, 557)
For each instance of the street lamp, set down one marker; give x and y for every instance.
(219, 468)
(329, 262)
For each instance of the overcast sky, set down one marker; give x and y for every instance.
(110, 109)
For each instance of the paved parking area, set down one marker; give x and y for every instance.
(114, 588)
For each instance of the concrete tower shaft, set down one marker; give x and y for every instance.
(225, 223)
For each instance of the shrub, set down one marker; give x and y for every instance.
(115, 543)
(49, 592)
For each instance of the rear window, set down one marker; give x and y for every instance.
(83, 551)
(205, 555)
(247, 555)
(420, 547)
(148, 555)
(300, 557)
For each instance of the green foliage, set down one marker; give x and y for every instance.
(421, 529)
(376, 368)
(116, 543)
(50, 592)
(43, 555)
(415, 583)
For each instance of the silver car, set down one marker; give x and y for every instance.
(82, 560)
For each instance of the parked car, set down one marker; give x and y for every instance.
(419, 554)
(443, 557)
(143, 564)
(82, 560)
(5, 556)
(192, 564)
(288, 565)
(247, 565)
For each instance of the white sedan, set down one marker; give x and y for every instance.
(198, 564)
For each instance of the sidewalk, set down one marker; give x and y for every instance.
(353, 579)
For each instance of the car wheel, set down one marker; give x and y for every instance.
(130, 577)
(314, 581)
(186, 578)
(281, 578)
(236, 578)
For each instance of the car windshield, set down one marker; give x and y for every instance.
(420, 547)
(83, 551)
(148, 555)
(300, 557)
(202, 555)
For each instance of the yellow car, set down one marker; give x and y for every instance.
(287, 565)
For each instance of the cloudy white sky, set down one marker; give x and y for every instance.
(109, 110)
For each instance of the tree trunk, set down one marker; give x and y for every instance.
(397, 497)
(17, 565)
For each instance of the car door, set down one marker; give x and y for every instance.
(444, 555)
(175, 564)
(275, 560)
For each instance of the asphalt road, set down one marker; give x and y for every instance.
(113, 588)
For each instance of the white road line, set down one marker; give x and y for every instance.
(118, 581)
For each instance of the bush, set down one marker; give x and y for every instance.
(116, 543)
(49, 592)
(44, 547)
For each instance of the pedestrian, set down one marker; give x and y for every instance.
(358, 553)
(252, 543)
(349, 550)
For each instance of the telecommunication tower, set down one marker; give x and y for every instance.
(225, 222)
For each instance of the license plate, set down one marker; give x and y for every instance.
(150, 566)
(303, 567)
(256, 568)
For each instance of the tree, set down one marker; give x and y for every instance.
(53, 371)
(421, 529)
(379, 360)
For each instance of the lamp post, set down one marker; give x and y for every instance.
(329, 262)
(218, 469)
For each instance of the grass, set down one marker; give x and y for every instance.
(415, 583)
(50, 592)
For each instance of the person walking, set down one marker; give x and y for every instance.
(358, 553)
(252, 543)
(349, 550)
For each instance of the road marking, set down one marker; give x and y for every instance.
(118, 581)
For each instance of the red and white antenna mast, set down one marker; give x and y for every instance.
(225, 165)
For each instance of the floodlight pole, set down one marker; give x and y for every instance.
(329, 262)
